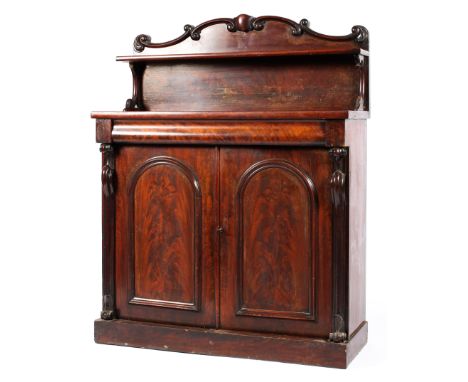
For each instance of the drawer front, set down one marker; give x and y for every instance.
(165, 202)
(276, 255)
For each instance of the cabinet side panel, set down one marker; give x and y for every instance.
(355, 137)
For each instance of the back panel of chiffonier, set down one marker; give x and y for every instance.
(252, 84)
(268, 64)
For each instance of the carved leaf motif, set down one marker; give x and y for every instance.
(245, 23)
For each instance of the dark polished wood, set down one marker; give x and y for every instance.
(108, 232)
(225, 132)
(166, 231)
(246, 33)
(275, 255)
(246, 85)
(240, 115)
(233, 191)
(230, 343)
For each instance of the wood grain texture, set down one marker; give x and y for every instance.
(269, 347)
(104, 130)
(278, 229)
(321, 83)
(166, 232)
(234, 115)
(313, 133)
(165, 219)
(282, 278)
(234, 194)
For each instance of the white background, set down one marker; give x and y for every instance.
(57, 64)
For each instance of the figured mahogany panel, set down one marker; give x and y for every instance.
(223, 132)
(165, 233)
(272, 84)
(276, 240)
(165, 223)
(277, 209)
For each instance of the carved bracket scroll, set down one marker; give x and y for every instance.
(362, 100)
(108, 232)
(246, 23)
(339, 196)
(136, 102)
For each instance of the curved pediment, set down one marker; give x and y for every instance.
(246, 33)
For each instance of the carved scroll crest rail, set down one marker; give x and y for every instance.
(246, 23)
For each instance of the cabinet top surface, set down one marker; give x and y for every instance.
(274, 115)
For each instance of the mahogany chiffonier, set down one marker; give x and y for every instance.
(233, 194)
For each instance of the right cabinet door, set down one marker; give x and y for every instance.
(276, 245)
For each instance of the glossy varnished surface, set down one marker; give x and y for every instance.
(224, 132)
(195, 116)
(275, 254)
(234, 194)
(277, 207)
(165, 223)
(164, 246)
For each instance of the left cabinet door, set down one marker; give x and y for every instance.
(165, 234)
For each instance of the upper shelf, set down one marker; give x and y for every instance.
(247, 36)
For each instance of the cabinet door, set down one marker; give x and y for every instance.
(165, 228)
(276, 269)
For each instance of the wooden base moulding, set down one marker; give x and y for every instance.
(261, 346)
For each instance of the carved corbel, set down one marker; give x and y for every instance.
(108, 169)
(108, 232)
(339, 198)
(136, 102)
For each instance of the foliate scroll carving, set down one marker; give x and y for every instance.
(361, 35)
(339, 197)
(108, 170)
(337, 183)
(246, 23)
(108, 232)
